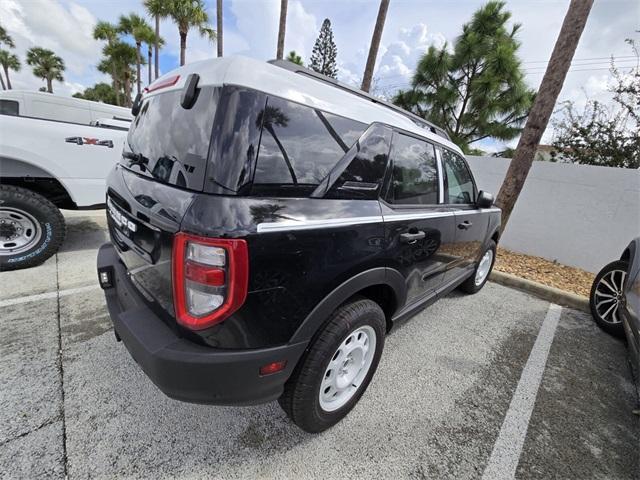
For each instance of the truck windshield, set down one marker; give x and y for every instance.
(170, 143)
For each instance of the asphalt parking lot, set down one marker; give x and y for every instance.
(451, 398)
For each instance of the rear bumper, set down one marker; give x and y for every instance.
(181, 368)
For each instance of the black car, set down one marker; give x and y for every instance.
(269, 226)
(615, 301)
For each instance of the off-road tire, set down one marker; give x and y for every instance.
(300, 399)
(49, 218)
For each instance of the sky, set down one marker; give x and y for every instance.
(251, 27)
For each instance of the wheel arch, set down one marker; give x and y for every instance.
(384, 286)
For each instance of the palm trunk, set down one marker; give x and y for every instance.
(49, 85)
(542, 108)
(375, 44)
(127, 90)
(183, 46)
(270, 129)
(4, 87)
(6, 74)
(219, 27)
(116, 88)
(156, 48)
(138, 60)
(282, 29)
(149, 64)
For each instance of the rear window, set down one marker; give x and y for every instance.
(9, 107)
(299, 146)
(170, 143)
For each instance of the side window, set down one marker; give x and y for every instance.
(415, 175)
(361, 171)
(9, 107)
(460, 188)
(299, 147)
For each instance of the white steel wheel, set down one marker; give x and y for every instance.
(484, 267)
(19, 231)
(348, 368)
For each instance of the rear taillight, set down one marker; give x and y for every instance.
(210, 279)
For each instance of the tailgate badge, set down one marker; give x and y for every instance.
(120, 219)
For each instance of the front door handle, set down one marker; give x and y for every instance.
(465, 225)
(412, 237)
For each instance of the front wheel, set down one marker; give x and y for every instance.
(338, 367)
(606, 296)
(31, 228)
(480, 275)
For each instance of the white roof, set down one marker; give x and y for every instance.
(274, 80)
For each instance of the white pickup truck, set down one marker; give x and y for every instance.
(55, 153)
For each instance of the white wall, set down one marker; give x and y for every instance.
(579, 215)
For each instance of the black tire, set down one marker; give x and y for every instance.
(469, 285)
(48, 219)
(596, 296)
(300, 399)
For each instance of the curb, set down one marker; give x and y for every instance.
(550, 294)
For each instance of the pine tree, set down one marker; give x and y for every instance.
(323, 58)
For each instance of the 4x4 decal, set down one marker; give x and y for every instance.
(89, 141)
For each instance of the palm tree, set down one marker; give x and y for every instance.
(552, 81)
(6, 38)
(8, 41)
(293, 57)
(187, 14)
(109, 32)
(157, 9)
(124, 57)
(46, 65)
(151, 41)
(375, 44)
(268, 118)
(139, 29)
(9, 61)
(282, 28)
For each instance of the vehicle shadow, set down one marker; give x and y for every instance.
(84, 233)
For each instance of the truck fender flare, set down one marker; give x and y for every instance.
(369, 278)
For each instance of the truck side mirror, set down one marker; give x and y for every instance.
(485, 199)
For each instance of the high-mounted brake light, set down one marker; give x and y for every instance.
(210, 279)
(163, 83)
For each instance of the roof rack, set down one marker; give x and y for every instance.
(419, 121)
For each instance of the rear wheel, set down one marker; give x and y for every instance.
(338, 367)
(31, 228)
(480, 275)
(606, 297)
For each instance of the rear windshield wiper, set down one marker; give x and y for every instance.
(136, 159)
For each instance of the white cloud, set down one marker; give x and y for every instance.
(65, 30)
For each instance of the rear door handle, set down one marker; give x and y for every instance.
(412, 237)
(465, 225)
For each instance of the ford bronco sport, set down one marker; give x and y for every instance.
(269, 226)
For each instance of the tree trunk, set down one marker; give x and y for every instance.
(183, 46)
(138, 61)
(565, 47)
(6, 74)
(127, 91)
(219, 27)
(149, 54)
(282, 28)
(116, 87)
(156, 48)
(4, 87)
(114, 82)
(49, 85)
(375, 44)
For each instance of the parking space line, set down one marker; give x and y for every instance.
(46, 295)
(508, 447)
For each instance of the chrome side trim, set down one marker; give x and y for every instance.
(289, 225)
(440, 175)
(304, 224)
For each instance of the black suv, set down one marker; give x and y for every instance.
(268, 229)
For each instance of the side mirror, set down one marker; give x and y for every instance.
(485, 199)
(137, 103)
